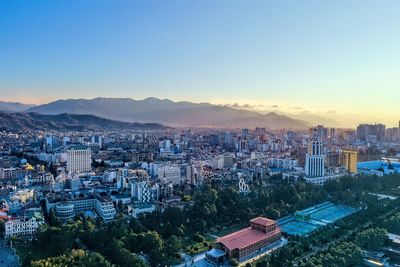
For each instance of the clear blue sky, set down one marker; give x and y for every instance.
(337, 55)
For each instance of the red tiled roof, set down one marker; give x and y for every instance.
(244, 238)
(263, 221)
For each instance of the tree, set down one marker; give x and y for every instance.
(53, 220)
(393, 224)
(52, 241)
(262, 263)
(172, 247)
(234, 262)
(2, 225)
(120, 255)
(144, 242)
(343, 254)
(198, 238)
(273, 213)
(372, 239)
(74, 258)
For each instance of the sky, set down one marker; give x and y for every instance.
(333, 58)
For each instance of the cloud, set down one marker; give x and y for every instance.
(331, 112)
(237, 105)
(255, 107)
(297, 108)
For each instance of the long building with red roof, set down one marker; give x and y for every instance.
(246, 242)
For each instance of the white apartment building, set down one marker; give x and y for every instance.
(170, 174)
(79, 160)
(136, 210)
(24, 226)
(322, 179)
(65, 211)
(10, 173)
(194, 173)
(283, 163)
(223, 162)
(141, 190)
(103, 206)
(40, 178)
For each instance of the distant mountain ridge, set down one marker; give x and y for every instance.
(36, 121)
(13, 106)
(168, 112)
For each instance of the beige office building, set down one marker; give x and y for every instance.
(349, 160)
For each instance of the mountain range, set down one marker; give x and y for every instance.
(168, 112)
(13, 106)
(77, 122)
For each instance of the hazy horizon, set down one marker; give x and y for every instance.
(344, 120)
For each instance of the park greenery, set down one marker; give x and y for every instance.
(393, 224)
(74, 258)
(344, 254)
(340, 244)
(157, 239)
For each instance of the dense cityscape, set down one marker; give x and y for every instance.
(199, 133)
(201, 197)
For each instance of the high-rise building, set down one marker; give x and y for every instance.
(194, 173)
(315, 160)
(243, 146)
(141, 190)
(348, 159)
(214, 140)
(228, 138)
(79, 160)
(52, 142)
(366, 130)
(97, 139)
(332, 159)
(322, 132)
(244, 132)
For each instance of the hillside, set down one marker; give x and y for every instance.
(36, 121)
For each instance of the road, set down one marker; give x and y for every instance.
(7, 256)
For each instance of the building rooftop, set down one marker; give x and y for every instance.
(244, 238)
(263, 221)
(394, 238)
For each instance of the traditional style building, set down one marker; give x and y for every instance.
(246, 243)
